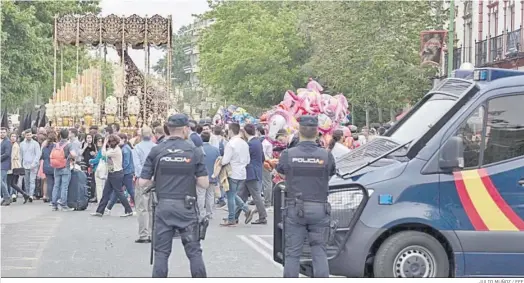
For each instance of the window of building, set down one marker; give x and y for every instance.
(468, 31)
(512, 15)
(505, 129)
(496, 18)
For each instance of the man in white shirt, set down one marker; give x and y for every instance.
(236, 154)
(363, 137)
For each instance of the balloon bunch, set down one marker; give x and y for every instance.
(331, 111)
(233, 114)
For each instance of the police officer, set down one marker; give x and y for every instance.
(307, 169)
(177, 167)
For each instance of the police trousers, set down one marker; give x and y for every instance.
(311, 221)
(171, 215)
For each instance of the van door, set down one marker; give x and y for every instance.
(347, 203)
(485, 201)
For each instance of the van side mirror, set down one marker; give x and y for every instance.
(452, 154)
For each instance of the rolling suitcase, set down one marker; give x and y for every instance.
(77, 197)
(39, 188)
(90, 181)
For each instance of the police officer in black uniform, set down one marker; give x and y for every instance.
(176, 167)
(307, 169)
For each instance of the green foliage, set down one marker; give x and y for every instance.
(369, 49)
(27, 48)
(253, 51)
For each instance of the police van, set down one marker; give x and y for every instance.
(441, 194)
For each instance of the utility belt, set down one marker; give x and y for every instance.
(190, 202)
(299, 204)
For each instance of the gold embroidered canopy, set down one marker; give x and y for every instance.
(133, 30)
(121, 32)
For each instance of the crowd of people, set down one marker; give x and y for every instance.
(38, 163)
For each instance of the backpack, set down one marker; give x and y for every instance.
(57, 157)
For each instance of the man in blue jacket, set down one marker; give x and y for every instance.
(206, 197)
(254, 172)
(5, 149)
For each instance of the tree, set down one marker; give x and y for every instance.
(253, 52)
(27, 47)
(373, 49)
(369, 49)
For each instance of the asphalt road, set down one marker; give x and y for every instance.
(36, 242)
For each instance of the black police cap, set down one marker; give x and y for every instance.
(177, 120)
(308, 121)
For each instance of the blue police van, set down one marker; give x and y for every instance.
(441, 194)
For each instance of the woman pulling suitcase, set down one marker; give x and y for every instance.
(89, 152)
(99, 161)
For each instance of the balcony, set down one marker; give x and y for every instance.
(496, 48)
(188, 50)
(457, 59)
(188, 69)
(467, 54)
(513, 43)
(481, 52)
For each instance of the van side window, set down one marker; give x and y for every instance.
(471, 133)
(505, 129)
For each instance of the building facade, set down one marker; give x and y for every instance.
(489, 34)
(206, 102)
(192, 51)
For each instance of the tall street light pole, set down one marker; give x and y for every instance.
(451, 36)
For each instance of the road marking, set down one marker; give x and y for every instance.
(35, 235)
(261, 251)
(32, 243)
(24, 250)
(262, 242)
(39, 238)
(17, 267)
(27, 231)
(19, 258)
(266, 236)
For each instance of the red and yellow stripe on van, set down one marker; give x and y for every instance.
(481, 200)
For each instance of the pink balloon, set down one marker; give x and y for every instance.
(314, 85)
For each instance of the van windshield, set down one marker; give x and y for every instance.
(424, 118)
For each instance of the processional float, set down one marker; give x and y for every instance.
(138, 97)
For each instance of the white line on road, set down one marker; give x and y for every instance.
(17, 267)
(262, 242)
(18, 258)
(40, 237)
(25, 232)
(259, 240)
(261, 251)
(266, 236)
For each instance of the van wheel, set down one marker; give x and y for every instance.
(411, 254)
